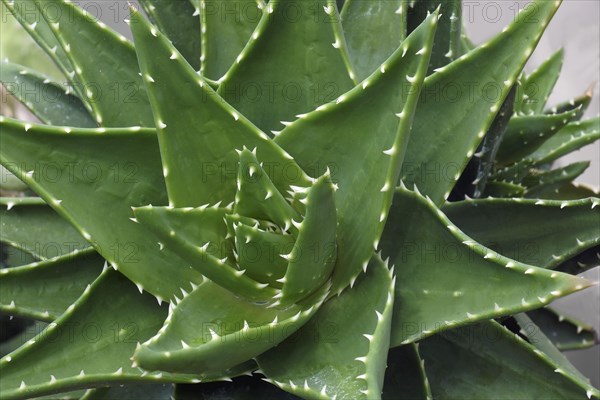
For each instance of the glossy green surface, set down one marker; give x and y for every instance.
(544, 226)
(478, 282)
(44, 290)
(29, 224)
(464, 363)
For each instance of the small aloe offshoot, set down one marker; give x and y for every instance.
(199, 233)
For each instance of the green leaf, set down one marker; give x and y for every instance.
(526, 133)
(258, 198)
(195, 241)
(50, 102)
(44, 290)
(570, 138)
(260, 252)
(212, 329)
(198, 131)
(447, 43)
(478, 283)
(573, 191)
(551, 354)
(486, 360)
(365, 24)
(30, 18)
(549, 232)
(226, 29)
(313, 257)
(290, 65)
(103, 61)
(342, 350)
(29, 224)
(565, 332)
(370, 123)
(405, 376)
(503, 189)
(466, 95)
(99, 174)
(540, 183)
(90, 345)
(535, 90)
(179, 21)
(582, 102)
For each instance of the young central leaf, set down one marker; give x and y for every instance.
(217, 240)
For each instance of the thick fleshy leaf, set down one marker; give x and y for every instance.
(438, 153)
(549, 232)
(257, 196)
(405, 376)
(260, 252)
(198, 131)
(294, 62)
(342, 351)
(92, 177)
(544, 348)
(547, 182)
(565, 332)
(30, 18)
(573, 191)
(478, 282)
(226, 28)
(486, 361)
(503, 189)
(103, 61)
(90, 345)
(313, 257)
(581, 102)
(50, 102)
(202, 244)
(211, 330)
(365, 24)
(570, 138)
(447, 43)
(44, 290)
(370, 123)
(536, 88)
(29, 224)
(181, 23)
(526, 133)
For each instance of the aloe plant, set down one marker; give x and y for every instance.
(257, 199)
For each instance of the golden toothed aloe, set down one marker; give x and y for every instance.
(251, 164)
